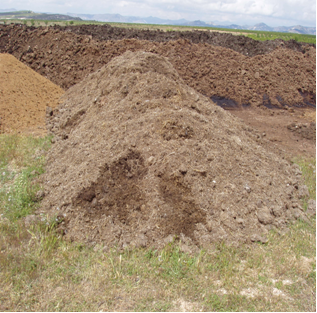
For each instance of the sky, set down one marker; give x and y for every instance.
(242, 12)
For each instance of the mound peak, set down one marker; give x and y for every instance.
(140, 157)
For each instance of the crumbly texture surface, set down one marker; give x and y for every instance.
(141, 158)
(24, 96)
(235, 71)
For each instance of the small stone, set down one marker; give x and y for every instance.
(264, 216)
(183, 169)
(257, 75)
(150, 160)
(277, 211)
(259, 204)
(94, 202)
(296, 213)
(296, 170)
(311, 208)
(169, 239)
(303, 192)
(258, 238)
(289, 191)
(141, 241)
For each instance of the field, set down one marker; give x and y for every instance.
(136, 130)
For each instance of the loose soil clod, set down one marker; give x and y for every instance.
(140, 157)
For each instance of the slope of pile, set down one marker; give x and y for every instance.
(281, 78)
(140, 157)
(24, 95)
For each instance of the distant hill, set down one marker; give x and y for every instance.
(182, 22)
(8, 10)
(290, 29)
(6, 14)
(117, 18)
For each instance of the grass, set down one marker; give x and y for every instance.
(21, 160)
(42, 272)
(256, 35)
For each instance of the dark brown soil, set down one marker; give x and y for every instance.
(279, 79)
(241, 44)
(141, 157)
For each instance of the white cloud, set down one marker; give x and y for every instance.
(277, 12)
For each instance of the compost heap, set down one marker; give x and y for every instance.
(283, 77)
(140, 157)
(24, 95)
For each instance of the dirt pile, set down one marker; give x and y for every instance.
(279, 79)
(241, 44)
(140, 157)
(24, 95)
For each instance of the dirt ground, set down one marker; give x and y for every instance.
(24, 96)
(140, 157)
(292, 132)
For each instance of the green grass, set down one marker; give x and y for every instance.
(308, 168)
(256, 35)
(40, 271)
(21, 160)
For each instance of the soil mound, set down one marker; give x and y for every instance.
(240, 44)
(141, 157)
(24, 95)
(280, 79)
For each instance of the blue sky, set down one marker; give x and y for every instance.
(271, 12)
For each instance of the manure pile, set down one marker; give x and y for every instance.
(24, 95)
(141, 157)
(281, 78)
